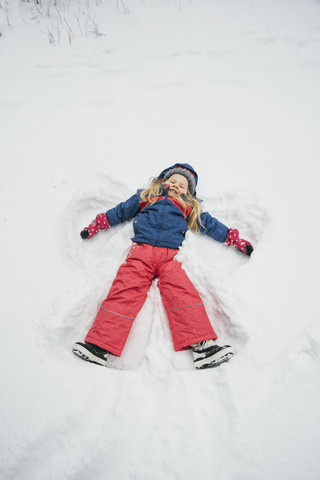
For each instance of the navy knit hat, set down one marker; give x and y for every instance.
(182, 169)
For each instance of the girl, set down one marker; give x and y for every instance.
(162, 214)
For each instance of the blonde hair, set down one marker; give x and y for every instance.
(152, 193)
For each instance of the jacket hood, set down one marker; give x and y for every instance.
(183, 169)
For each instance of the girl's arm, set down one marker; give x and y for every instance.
(220, 232)
(122, 212)
(212, 227)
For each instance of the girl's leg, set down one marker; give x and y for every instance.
(126, 297)
(188, 320)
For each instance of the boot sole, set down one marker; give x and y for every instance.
(214, 360)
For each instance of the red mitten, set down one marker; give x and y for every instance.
(99, 223)
(242, 245)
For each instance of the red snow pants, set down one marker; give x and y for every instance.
(187, 317)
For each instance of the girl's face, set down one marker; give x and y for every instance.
(178, 184)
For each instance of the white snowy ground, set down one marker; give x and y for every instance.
(95, 98)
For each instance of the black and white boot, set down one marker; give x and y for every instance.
(208, 354)
(91, 353)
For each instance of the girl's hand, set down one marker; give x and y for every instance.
(243, 245)
(99, 223)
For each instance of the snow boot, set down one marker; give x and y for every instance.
(208, 354)
(91, 353)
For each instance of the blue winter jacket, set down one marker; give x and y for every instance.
(163, 223)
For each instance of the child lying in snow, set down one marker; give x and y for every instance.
(162, 214)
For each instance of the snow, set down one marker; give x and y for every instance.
(96, 97)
